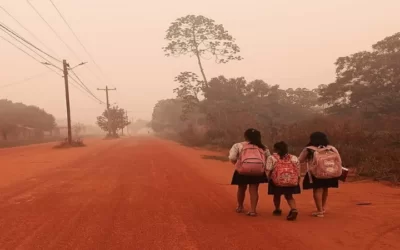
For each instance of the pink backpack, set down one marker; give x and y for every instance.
(326, 163)
(251, 161)
(285, 173)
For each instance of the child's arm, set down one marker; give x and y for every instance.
(267, 153)
(340, 158)
(303, 156)
(234, 153)
(296, 161)
(270, 165)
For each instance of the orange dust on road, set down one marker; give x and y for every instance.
(148, 193)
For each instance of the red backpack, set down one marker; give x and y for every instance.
(285, 172)
(251, 161)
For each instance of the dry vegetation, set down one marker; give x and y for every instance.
(74, 144)
(360, 110)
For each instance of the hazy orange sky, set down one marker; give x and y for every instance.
(290, 43)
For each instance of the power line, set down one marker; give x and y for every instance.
(31, 33)
(13, 34)
(81, 82)
(85, 87)
(26, 41)
(24, 80)
(5, 39)
(45, 59)
(76, 36)
(54, 31)
(59, 37)
(83, 91)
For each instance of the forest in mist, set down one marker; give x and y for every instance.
(360, 110)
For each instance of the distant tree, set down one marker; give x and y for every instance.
(19, 114)
(117, 118)
(230, 105)
(200, 36)
(367, 82)
(303, 97)
(226, 107)
(188, 92)
(190, 85)
(6, 128)
(237, 101)
(167, 115)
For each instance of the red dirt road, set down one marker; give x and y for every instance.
(146, 193)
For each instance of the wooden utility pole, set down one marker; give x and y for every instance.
(65, 69)
(108, 108)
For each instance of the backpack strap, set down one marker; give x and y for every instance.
(312, 148)
(318, 148)
(276, 156)
(331, 148)
(309, 173)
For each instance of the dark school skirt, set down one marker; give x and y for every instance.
(320, 183)
(239, 179)
(275, 190)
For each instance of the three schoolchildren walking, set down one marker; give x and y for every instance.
(254, 165)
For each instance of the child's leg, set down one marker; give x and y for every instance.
(253, 190)
(324, 198)
(277, 201)
(241, 194)
(318, 192)
(291, 202)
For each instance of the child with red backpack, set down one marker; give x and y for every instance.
(249, 158)
(324, 167)
(284, 176)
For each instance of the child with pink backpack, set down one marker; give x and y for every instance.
(249, 158)
(324, 168)
(284, 176)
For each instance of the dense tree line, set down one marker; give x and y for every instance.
(367, 81)
(13, 115)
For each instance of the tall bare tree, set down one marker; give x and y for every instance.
(200, 36)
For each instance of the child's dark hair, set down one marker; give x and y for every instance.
(253, 136)
(281, 148)
(317, 139)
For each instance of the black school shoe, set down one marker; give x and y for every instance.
(277, 212)
(292, 215)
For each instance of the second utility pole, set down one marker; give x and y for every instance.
(65, 69)
(108, 108)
